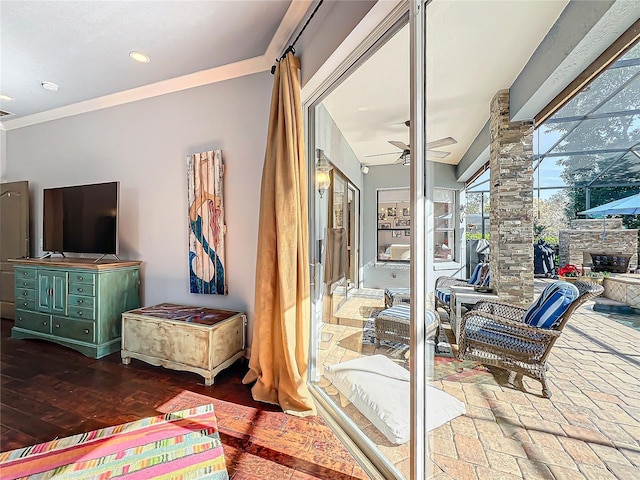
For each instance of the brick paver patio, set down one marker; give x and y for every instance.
(588, 429)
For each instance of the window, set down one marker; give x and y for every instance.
(444, 212)
(394, 225)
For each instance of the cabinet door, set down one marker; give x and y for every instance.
(59, 294)
(52, 292)
(45, 286)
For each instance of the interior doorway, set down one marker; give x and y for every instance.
(14, 238)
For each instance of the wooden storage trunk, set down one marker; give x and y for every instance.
(193, 339)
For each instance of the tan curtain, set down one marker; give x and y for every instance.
(280, 346)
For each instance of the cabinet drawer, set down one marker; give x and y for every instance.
(81, 301)
(82, 289)
(24, 273)
(81, 277)
(24, 294)
(33, 321)
(73, 329)
(26, 303)
(29, 283)
(80, 312)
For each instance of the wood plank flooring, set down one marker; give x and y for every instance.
(49, 391)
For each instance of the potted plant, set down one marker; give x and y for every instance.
(594, 277)
(568, 273)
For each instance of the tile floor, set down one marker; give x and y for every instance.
(590, 428)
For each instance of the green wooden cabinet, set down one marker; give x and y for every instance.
(75, 302)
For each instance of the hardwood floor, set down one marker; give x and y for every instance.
(49, 391)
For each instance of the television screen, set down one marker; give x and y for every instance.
(81, 219)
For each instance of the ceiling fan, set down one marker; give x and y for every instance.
(405, 156)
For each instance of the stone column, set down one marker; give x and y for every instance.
(511, 243)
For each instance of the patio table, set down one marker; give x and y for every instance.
(468, 296)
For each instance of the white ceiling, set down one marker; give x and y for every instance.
(83, 46)
(474, 49)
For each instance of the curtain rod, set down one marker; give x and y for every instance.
(291, 48)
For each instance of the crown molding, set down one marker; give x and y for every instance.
(292, 18)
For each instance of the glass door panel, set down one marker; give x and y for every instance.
(360, 360)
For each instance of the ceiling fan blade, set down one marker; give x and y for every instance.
(400, 145)
(437, 154)
(442, 142)
(381, 154)
(399, 160)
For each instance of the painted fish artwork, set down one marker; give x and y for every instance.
(206, 223)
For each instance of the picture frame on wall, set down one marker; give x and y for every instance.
(385, 226)
(407, 233)
(382, 216)
(396, 233)
(405, 212)
(391, 211)
(402, 222)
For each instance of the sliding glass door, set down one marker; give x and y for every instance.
(368, 363)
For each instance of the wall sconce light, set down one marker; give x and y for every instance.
(406, 158)
(323, 179)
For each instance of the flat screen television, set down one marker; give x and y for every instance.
(81, 219)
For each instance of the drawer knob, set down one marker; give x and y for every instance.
(24, 293)
(24, 273)
(79, 289)
(79, 278)
(25, 283)
(25, 304)
(80, 301)
(57, 325)
(80, 313)
(86, 330)
(44, 323)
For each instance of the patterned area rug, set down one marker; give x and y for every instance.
(183, 444)
(462, 371)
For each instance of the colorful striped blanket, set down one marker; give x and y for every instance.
(179, 445)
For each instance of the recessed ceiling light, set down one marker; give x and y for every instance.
(6, 97)
(139, 57)
(363, 109)
(49, 86)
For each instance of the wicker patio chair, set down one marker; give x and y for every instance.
(480, 276)
(496, 334)
(396, 296)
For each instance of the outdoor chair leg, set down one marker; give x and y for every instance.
(516, 380)
(546, 392)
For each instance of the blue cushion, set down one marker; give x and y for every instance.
(404, 312)
(391, 291)
(480, 275)
(475, 276)
(444, 294)
(551, 305)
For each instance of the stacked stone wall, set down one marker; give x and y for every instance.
(576, 245)
(511, 166)
(595, 223)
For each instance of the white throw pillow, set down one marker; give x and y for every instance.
(379, 389)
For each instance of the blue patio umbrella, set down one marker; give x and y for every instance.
(624, 206)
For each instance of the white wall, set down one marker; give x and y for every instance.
(3, 155)
(144, 145)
